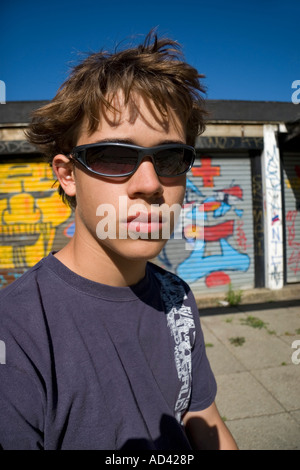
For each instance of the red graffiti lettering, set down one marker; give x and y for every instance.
(291, 217)
(241, 236)
(294, 259)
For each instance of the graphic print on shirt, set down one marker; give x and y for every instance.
(182, 326)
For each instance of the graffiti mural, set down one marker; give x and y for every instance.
(293, 261)
(292, 220)
(32, 214)
(219, 243)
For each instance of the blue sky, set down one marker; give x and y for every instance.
(248, 50)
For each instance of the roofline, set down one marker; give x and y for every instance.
(17, 113)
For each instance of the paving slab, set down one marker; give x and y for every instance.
(275, 432)
(240, 395)
(258, 383)
(262, 352)
(253, 348)
(283, 383)
(222, 361)
(282, 321)
(296, 415)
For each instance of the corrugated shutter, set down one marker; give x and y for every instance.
(221, 187)
(291, 176)
(34, 220)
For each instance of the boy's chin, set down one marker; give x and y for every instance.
(140, 249)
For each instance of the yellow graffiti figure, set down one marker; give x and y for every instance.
(31, 211)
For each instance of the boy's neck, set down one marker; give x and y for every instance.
(99, 265)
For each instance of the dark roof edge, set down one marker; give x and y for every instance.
(14, 112)
(255, 111)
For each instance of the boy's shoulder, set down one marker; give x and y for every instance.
(171, 285)
(166, 276)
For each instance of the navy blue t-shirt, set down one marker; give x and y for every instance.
(91, 366)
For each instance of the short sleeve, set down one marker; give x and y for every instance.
(21, 411)
(204, 387)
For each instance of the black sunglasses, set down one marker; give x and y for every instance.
(118, 159)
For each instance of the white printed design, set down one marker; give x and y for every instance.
(182, 326)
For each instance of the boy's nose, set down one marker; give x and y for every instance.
(145, 181)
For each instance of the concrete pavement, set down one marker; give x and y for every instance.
(250, 350)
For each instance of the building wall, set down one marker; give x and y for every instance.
(217, 247)
(34, 220)
(246, 231)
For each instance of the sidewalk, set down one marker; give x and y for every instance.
(250, 350)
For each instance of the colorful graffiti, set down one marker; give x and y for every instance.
(31, 214)
(212, 255)
(293, 261)
(292, 221)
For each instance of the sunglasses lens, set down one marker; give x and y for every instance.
(111, 160)
(174, 161)
(118, 160)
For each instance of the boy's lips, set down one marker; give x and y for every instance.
(145, 222)
(145, 217)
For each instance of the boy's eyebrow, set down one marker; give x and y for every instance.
(132, 142)
(115, 141)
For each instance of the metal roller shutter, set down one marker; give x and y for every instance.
(34, 220)
(222, 253)
(291, 177)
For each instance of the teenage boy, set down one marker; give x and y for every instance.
(104, 350)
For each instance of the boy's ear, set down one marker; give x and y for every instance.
(64, 171)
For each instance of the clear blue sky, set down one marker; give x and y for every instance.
(248, 50)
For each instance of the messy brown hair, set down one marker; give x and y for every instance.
(154, 69)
